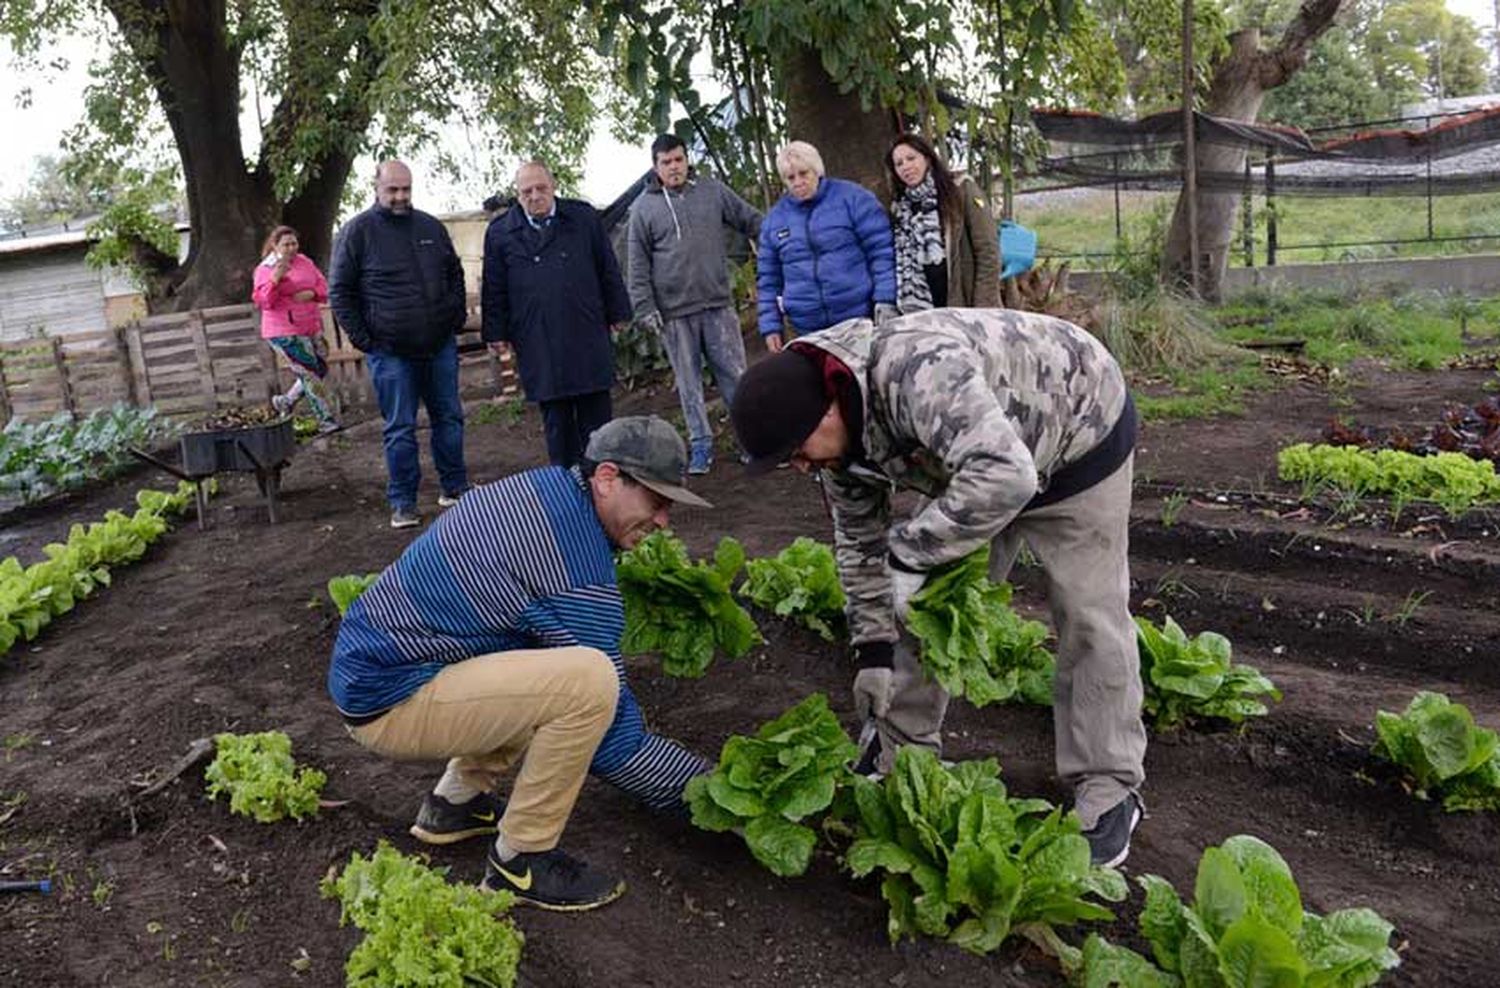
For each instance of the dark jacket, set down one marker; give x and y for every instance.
(396, 285)
(553, 294)
(828, 258)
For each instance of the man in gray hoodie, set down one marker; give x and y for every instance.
(679, 281)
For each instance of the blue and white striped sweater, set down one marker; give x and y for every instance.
(520, 563)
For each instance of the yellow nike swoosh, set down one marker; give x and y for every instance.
(522, 882)
(485, 817)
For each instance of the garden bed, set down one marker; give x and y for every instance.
(181, 892)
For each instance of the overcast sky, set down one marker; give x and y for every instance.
(57, 102)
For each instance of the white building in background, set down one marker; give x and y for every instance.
(46, 288)
(1453, 104)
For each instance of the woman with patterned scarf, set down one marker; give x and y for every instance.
(947, 247)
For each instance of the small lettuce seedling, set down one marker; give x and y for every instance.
(800, 582)
(262, 781)
(1193, 678)
(1437, 743)
(344, 590)
(766, 784)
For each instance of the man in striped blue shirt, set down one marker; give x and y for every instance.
(495, 638)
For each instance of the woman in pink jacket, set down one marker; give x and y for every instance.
(289, 289)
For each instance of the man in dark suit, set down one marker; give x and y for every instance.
(553, 292)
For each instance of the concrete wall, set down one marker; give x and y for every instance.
(1470, 274)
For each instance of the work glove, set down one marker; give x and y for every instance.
(904, 586)
(885, 312)
(874, 684)
(651, 321)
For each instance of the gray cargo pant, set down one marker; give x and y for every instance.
(714, 334)
(1081, 543)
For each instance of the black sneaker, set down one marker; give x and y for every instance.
(1109, 841)
(551, 880)
(442, 822)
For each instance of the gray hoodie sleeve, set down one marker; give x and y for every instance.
(638, 265)
(739, 214)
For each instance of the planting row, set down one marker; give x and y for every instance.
(61, 453)
(31, 596)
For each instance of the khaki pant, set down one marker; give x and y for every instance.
(1082, 544)
(550, 705)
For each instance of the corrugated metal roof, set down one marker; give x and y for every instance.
(47, 241)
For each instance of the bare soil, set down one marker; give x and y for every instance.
(230, 629)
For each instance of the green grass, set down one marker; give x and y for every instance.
(1201, 392)
(1416, 331)
(1085, 223)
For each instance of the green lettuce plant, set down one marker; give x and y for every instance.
(973, 643)
(1192, 678)
(420, 930)
(800, 582)
(31, 596)
(1437, 743)
(964, 861)
(681, 610)
(61, 453)
(261, 779)
(343, 590)
(765, 785)
(1454, 481)
(1246, 928)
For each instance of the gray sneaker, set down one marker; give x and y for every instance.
(449, 500)
(1109, 840)
(405, 518)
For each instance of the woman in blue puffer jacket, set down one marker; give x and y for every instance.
(826, 251)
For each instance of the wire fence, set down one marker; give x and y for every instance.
(1095, 206)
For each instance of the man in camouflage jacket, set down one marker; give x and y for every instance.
(1016, 428)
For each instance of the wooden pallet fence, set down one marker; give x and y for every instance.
(75, 373)
(194, 363)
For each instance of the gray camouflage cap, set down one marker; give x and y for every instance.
(650, 451)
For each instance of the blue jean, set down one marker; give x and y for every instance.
(714, 334)
(400, 383)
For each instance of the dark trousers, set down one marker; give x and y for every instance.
(570, 421)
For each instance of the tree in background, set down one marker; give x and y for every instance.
(57, 193)
(1419, 50)
(1337, 86)
(338, 78)
(1239, 86)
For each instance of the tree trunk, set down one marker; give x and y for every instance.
(1239, 87)
(184, 48)
(851, 139)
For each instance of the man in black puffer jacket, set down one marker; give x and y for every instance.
(397, 289)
